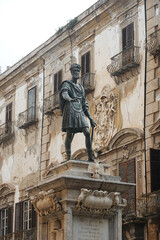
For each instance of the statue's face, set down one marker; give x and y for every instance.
(75, 73)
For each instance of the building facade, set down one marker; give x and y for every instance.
(117, 45)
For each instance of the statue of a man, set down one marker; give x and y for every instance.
(75, 110)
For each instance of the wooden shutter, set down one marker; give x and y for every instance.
(55, 82)
(19, 217)
(34, 218)
(85, 63)
(127, 36)
(10, 220)
(9, 113)
(128, 174)
(31, 103)
(59, 79)
(1, 233)
(155, 169)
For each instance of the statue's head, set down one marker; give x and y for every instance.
(75, 70)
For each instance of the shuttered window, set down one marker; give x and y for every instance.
(6, 221)
(8, 118)
(57, 81)
(155, 169)
(127, 36)
(9, 113)
(85, 63)
(25, 216)
(127, 173)
(31, 104)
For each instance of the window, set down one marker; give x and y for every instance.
(57, 81)
(85, 63)
(128, 174)
(31, 104)
(25, 216)
(155, 169)
(5, 221)
(8, 118)
(127, 36)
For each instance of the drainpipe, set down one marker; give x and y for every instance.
(42, 109)
(145, 83)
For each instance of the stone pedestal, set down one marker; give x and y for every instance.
(78, 200)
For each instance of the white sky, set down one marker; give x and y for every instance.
(26, 24)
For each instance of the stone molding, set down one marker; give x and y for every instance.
(45, 202)
(6, 194)
(99, 201)
(122, 134)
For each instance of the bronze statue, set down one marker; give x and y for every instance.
(75, 110)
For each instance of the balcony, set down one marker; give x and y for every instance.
(51, 103)
(27, 118)
(6, 131)
(88, 82)
(124, 61)
(153, 44)
(151, 205)
(7, 237)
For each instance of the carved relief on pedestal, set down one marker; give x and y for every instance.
(99, 201)
(45, 202)
(107, 117)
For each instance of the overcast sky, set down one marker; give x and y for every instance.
(26, 24)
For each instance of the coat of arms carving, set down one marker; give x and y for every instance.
(107, 117)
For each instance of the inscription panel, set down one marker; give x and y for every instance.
(85, 228)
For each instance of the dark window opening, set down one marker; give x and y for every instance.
(155, 169)
(31, 104)
(57, 81)
(85, 63)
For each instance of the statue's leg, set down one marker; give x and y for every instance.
(69, 138)
(88, 144)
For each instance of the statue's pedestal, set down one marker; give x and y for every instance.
(79, 200)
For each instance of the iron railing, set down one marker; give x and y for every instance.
(88, 81)
(51, 103)
(27, 118)
(153, 44)
(143, 207)
(6, 131)
(7, 237)
(30, 234)
(124, 61)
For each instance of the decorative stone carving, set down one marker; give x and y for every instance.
(45, 202)
(96, 169)
(99, 201)
(105, 111)
(128, 151)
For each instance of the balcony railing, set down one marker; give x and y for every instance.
(88, 82)
(51, 103)
(6, 131)
(26, 234)
(124, 61)
(7, 237)
(153, 44)
(27, 118)
(143, 207)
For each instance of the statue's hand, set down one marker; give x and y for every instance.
(93, 123)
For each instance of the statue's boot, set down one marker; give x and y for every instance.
(90, 156)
